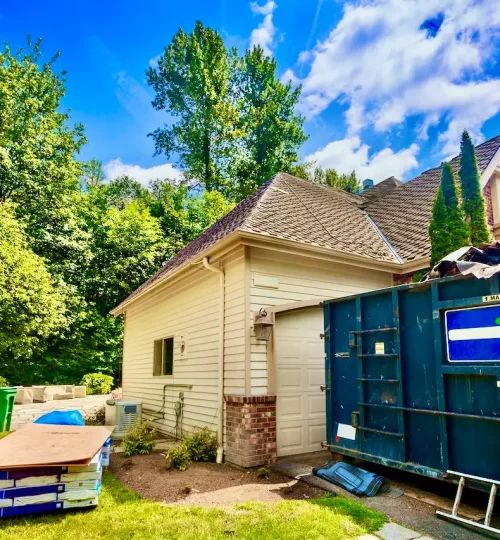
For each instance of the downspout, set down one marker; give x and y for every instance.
(208, 266)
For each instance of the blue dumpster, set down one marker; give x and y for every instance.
(413, 376)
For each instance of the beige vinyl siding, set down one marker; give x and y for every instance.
(298, 279)
(189, 307)
(234, 324)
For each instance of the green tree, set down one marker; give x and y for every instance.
(326, 177)
(182, 215)
(330, 177)
(472, 197)
(192, 83)
(31, 306)
(127, 247)
(124, 190)
(438, 229)
(92, 173)
(457, 228)
(38, 169)
(273, 131)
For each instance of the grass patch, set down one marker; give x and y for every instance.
(369, 519)
(122, 514)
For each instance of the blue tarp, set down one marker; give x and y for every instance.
(62, 418)
(354, 479)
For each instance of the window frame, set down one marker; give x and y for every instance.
(160, 364)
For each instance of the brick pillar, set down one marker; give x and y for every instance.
(250, 430)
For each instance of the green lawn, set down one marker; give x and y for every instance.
(122, 514)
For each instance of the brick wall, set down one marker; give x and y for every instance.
(402, 279)
(250, 430)
(489, 206)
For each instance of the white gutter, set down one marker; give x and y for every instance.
(208, 266)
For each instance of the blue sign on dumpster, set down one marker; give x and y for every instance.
(473, 334)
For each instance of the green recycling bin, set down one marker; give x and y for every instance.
(7, 397)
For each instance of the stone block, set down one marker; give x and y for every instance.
(66, 395)
(24, 396)
(80, 391)
(40, 394)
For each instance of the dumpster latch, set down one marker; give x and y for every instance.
(355, 419)
(323, 388)
(352, 340)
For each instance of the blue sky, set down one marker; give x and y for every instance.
(388, 85)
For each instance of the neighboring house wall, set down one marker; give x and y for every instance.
(188, 309)
(278, 278)
(492, 196)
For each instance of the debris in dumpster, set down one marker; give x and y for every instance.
(47, 468)
(482, 262)
(354, 479)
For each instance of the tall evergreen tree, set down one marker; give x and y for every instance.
(458, 230)
(438, 230)
(473, 200)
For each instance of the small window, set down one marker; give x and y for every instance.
(163, 362)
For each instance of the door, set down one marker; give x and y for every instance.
(300, 371)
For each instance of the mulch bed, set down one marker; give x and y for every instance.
(148, 476)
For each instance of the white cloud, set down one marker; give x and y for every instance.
(116, 167)
(265, 34)
(349, 154)
(153, 62)
(386, 67)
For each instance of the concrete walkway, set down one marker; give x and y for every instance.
(25, 414)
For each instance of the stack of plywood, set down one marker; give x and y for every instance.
(46, 468)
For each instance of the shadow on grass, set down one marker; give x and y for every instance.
(365, 517)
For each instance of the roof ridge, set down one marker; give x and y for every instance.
(259, 200)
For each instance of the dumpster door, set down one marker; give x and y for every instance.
(365, 378)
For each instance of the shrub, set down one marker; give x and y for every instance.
(97, 383)
(262, 472)
(3, 382)
(179, 457)
(202, 445)
(139, 439)
(96, 418)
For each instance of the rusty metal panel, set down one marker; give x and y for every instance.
(392, 395)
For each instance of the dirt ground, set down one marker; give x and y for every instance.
(205, 484)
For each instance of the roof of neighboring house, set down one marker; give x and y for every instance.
(386, 223)
(289, 208)
(404, 214)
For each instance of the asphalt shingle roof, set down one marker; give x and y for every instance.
(404, 214)
(289, 208)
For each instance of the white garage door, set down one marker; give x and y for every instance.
(300, 371)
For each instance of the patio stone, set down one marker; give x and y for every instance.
(393, 531)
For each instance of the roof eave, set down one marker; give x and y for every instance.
(292, 246)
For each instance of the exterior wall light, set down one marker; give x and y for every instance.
(263, 325)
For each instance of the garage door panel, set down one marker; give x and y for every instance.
(290, 438)
(290, 407)
(289, 352)
(316, 434)
(315, 378)
(290, 379)
(316, 406)
(299, 359)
